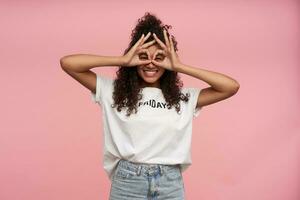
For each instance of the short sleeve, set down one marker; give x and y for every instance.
(194, 94)
(103, 86)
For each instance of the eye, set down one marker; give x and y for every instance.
(143, 57)
(159, 58)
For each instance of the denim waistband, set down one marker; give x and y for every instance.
(146, 167)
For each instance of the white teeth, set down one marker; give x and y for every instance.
(150, 73)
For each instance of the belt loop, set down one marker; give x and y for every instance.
(161, 169)
(139, 170)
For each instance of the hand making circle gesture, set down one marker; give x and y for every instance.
(171, 61)
(131, 58)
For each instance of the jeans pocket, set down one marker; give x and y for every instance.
(124, 173)
(173, 174)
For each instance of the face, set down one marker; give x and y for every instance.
(151, 73)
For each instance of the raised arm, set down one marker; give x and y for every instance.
(221, 86)
(78, 67)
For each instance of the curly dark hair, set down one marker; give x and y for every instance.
(127, 85)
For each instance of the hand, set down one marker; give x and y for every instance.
(132, 56)
(171, 61)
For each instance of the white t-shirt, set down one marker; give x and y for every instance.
(155, 134)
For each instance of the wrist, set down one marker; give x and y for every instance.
(121, 60)
(178, 67)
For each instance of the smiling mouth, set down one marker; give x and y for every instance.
(150, 70)
(150, 73)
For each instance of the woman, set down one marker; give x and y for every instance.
(147, 115)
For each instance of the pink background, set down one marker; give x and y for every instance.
(245, 147)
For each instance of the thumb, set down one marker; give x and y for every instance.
(156, 63)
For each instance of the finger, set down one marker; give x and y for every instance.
(172, 45)
(166, 39)
(158, 51)
(141, 39)
(138, 42)
(148, 44)
(148, 35)
(145, 51)
(145, 38)
(159, 41)
(148, 53)
(145, 62)
(157, 63)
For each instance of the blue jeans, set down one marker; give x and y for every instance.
(137, 181)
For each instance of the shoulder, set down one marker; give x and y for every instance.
(104, 81)
(193, 91)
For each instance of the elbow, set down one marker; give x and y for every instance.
(64, 62)
(235, 87)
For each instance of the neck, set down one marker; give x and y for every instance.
(151, 85)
